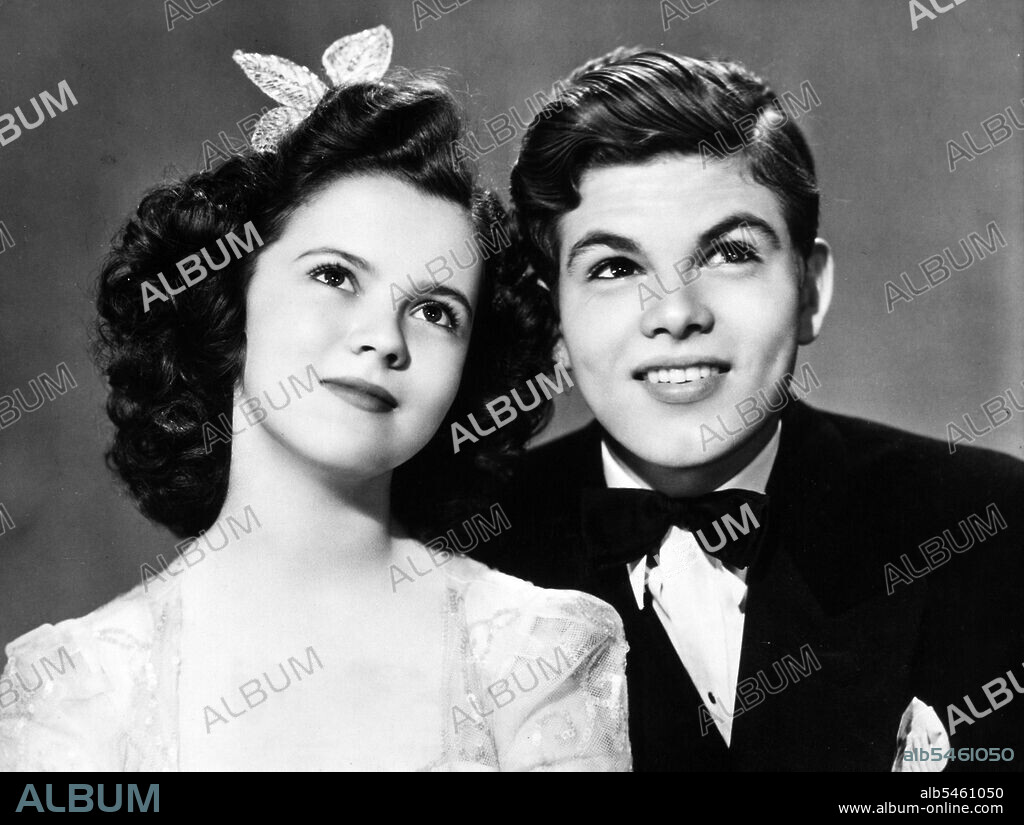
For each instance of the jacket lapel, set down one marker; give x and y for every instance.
(825, 651)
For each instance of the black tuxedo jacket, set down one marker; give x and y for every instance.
(847, 498)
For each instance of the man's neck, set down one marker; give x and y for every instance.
(694, 481)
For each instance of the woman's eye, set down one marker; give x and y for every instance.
(613, 268)
(731, 252)
(336, 276)
(437, 314)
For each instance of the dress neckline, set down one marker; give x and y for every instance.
(162, 723)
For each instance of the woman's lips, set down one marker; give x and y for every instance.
(362, 394)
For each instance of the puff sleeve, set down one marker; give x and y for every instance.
(58, 704)
(551, 684)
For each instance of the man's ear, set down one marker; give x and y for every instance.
(561, 353)
(815, 291)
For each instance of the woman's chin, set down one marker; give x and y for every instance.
(342, 462)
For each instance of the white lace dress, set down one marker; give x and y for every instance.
(533, 680)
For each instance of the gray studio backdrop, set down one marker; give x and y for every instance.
(151, 99)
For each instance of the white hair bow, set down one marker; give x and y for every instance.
(356, 58)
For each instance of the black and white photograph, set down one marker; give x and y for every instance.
(522, 385)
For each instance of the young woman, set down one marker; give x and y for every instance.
(325, 635)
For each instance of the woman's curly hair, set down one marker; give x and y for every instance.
(172, 366)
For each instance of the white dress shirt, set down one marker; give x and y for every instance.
(699, 600)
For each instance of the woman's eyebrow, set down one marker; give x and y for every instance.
(352, 258)
(450, 292)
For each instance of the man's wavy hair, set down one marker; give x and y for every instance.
(174, 368)
(632, 105)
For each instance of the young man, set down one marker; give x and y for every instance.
(790, 580)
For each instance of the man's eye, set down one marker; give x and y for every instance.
(437, 314)
(613, 268)
(335, 275)
(731, 252)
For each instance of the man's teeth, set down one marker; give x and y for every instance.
(681, 376)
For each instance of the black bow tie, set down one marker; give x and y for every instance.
(622, 525)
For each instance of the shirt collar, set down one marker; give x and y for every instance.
(752, 477)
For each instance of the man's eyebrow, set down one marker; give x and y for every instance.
(599, 237)
(739, 220)
(352, 258)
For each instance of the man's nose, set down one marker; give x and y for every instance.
(680, 311)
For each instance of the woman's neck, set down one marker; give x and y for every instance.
(307, 526)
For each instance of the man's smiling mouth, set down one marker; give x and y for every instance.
(680, 376)
(679, 373)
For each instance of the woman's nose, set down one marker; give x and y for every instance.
(378, 329)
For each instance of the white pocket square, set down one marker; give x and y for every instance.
(920, 730)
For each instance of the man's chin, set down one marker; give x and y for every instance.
(692, 449)
(690, 457)
(681, 451)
